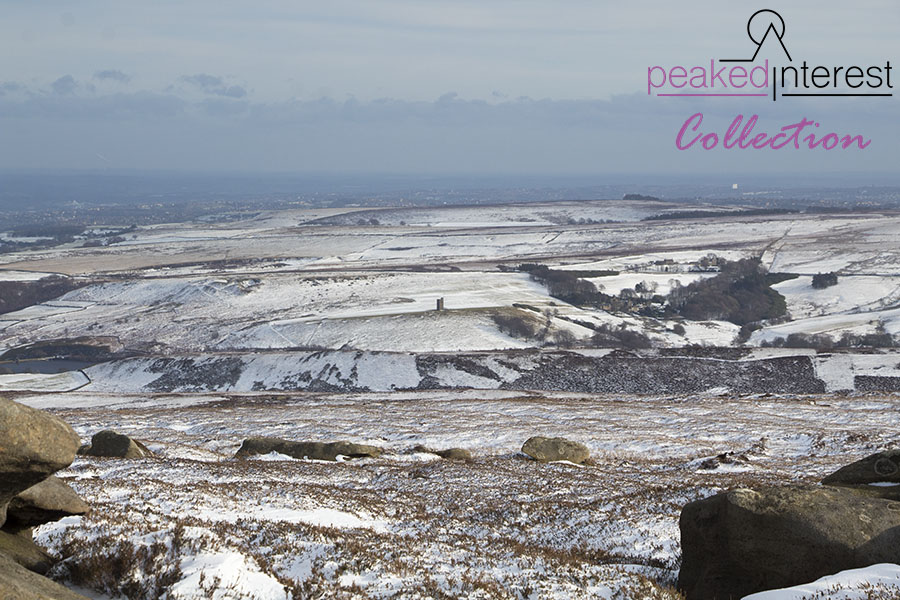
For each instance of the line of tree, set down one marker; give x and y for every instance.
(569, 286)
(880, 338)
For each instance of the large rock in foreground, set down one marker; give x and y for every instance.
(746, 541)
(17, 582)
(312, 450)
(546, 449)
(21, 549)
(33, 445)
(50, 500)
(880, 467)
(110, 444)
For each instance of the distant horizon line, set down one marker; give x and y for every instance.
(530, 175)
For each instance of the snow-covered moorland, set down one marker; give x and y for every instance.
(197, 523)
(293, 279)
(211, 332)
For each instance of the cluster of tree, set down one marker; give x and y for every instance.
(15, 295)
(821, 281)
(60, 232)
(568, 286)
(606, 336)
(588, 221)
(532, 328)
(740, 293)
(820, 341)
(517, 326)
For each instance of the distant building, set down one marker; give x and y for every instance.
(440, 304)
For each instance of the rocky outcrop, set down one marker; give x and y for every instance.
(546, 449)
(311, 450)
(744, 541)
(33, 445)
(20, 547)
(49, 500)
(110, 444)
(17, 582)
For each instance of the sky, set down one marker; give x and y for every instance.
(404, 86)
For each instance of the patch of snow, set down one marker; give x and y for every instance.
(11, 275)
(852, 584)
(234, 572)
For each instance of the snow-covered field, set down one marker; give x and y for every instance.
(408, 524)
(316, 279)
(345, 299)
(511, 215)
(291, 279)
(375, 311)
(6, 275)
(858, 244)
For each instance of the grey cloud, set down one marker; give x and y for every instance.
(112, 75)
(203, 80)
(211, 84)
(64, 86)
(9, 87)
(114, 106)
(223, 108)
(627, 112)
(629, 133)
(232, 91)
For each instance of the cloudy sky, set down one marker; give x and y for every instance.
(441, 86)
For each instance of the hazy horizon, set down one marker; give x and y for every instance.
(402, 87)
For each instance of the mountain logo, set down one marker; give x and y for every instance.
(771, 24)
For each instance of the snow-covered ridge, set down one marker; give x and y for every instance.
(589, 372)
